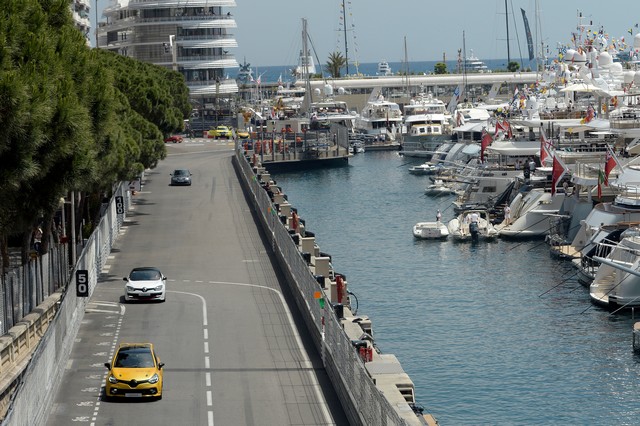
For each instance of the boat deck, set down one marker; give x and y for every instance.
(564, 251)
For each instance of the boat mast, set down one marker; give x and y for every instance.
(506, 17)
(464, 66)
(344, 27)
(305, 66)
(406, 66)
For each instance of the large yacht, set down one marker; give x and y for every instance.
(474, 64)
(380, 117)
(427, 124)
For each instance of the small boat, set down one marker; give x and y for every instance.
(430, 230)
(438, 189)
(472, 225)
(424, 169)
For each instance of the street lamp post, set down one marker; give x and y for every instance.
(174, 52)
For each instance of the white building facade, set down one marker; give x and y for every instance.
(80, 10)
(191, 37)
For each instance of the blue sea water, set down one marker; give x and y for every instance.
(492, 333)
(271, 74)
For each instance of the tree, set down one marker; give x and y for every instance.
(73, 118)
(513, 66)
(440, 68)
(335, 62)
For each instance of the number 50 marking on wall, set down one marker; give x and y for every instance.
(82, 283)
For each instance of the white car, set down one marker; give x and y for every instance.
(145, 283)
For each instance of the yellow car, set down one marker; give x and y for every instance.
(221, 132)
(242, 134)
(135, 372)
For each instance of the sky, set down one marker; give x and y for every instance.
(269, 32)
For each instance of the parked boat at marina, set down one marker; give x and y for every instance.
(615, 285)
(530, 213)
(380, 117)
(430, 230)
(438, 189)
(425, 169)
(472, 225)
(427, 124)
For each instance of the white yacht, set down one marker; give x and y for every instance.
(473, 64)
(380, 117)
(384, 68)
(427, 124)
(615, 285)
(530, 214)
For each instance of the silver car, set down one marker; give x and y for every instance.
(181, 177)
(146, 283)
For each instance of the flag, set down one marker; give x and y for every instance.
(610, 163)
(505, 127)
(558, 172)
(591, 113)
(454, 99)
(486, 141)
(601, 180)
(527, 31)
(545, 148)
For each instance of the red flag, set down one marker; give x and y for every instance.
(486, 141)
(610, 164)
(505, 127)
(544, 148)
(558, 172)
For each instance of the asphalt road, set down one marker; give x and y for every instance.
(235, 350)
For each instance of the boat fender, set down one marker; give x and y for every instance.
(339, 287)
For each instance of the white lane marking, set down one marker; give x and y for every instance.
(207, 363)
(206, 334)
(306, 361)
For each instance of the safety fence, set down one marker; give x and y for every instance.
(362, 401)
(32, 390)
(26, 286)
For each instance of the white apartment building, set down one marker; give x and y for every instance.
(190, 36)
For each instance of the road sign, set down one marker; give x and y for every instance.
(82, 283)
(119, 204)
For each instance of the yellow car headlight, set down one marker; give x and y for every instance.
(154, 379)
(112, 379)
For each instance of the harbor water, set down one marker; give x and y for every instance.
(492, 333)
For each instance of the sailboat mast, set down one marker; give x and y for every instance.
(506, 17)
(344, 27)
(464, 65)
(305, 63)
(406, 65)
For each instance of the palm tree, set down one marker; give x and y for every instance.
(335, 62)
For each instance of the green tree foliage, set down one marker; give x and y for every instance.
(440, 68)
(513, 66)
(72, 118)
(334, 64)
